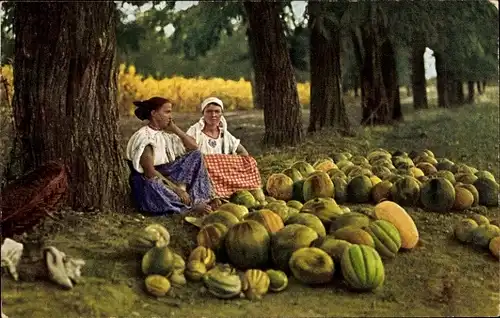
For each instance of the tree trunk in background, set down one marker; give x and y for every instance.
(442, 81)
(327, 103)
(65, 106)
(274, 74)
(470, 92)
(253, 80)
(479, 88)
(418, 81)
(380, 89)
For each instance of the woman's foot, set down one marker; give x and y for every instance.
(215, 203)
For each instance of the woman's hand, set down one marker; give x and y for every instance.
(183, 195)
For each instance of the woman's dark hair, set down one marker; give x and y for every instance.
(144, 108)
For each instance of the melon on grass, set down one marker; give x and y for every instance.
(395, 214)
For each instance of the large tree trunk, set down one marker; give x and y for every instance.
(442, 81)
(470, 92)
(327, 104)
(418, 82)
(479, 88)
(276, 83)
(253, 80)
(64, 104)
(380, 90)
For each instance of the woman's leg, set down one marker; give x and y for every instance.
(190, 169)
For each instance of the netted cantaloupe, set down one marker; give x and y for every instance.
(222, 283)
(247, 245)
(494, 247)
(224, 217)
(157, 285)
(204, 255)
(287, 240)
(483, 234)
(293, 173)
(467, 178)
(386, 237)
(318, 185)
(294, 204)
(280, 186)
(463, 230)
(444, 164)
(243, 197)
(332, 246)
(280, 209)
(427, 168)
(278, 281)
(255, 284)
(463, 199)
(236, 209)
(324, 164)
(212, 236)
(485, 174)
(406, 191)
(437, 195)
(354, 235)
(158, 260)
(472, 189)
(488, 191)
(271, 221)
(395, 214)
(349, 219)
(381, 172)
(362, 268)
(359, 189)
(303, 167)
(381, 191)
(325, 209)
(309, 220)
(340, 189)
(311, 265)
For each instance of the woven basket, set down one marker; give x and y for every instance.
(29, 199)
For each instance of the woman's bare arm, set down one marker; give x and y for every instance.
(241, 150)
(147, 163)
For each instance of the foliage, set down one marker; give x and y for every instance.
(187, 93)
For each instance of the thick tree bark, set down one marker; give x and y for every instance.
(470, 92)
(380, 90)
(442, 81)
(275, 76)
(418, 81)
(64, 104)
(253, 80)
(327, 104)
(479, 88)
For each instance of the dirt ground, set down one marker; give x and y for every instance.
(440, 277)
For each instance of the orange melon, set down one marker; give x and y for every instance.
(395, 214)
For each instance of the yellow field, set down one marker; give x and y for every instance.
(187, 93)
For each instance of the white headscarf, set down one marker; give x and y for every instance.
(198, 127)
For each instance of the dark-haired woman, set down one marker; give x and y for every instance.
(168, 174)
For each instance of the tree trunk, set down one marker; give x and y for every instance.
(359, 62)
(442, 81)
(380, 89)
(276, 83)
(479, 88)
(484, 86)
(418, 81)
(459, 91)
(255, 96)
(64, 104)
(327, 104)
(470, 92)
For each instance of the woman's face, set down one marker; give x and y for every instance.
(212, 114)
(162, 116)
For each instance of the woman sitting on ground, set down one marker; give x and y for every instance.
(168, 174)
(229, 165)
(211, 133)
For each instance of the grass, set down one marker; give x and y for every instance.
(440, 277)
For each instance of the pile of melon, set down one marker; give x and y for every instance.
(480, 232)
(417, 179)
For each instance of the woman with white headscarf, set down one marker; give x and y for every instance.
(211, 133)
(228, 163)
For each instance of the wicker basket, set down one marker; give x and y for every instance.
(29, 199)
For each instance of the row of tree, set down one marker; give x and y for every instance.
(65, 104)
